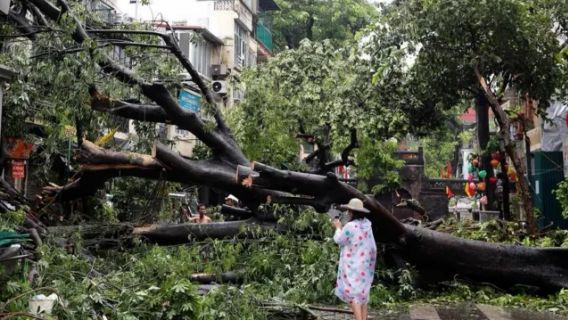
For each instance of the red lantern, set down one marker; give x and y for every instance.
(481, 186)
(496, 155)
(468, 190)
(494, 163)
(492, 180)
(475, 162)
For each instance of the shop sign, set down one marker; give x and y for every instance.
(189, 101)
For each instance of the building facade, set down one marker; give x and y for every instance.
(219, 37)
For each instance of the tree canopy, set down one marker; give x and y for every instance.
(511, 43)
(339, 20)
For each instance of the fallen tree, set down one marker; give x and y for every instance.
(256, 183)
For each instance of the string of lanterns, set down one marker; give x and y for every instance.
(478, 179)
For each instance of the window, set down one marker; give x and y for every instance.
(197, 50)
(200, 56)
(181, 132)
(240, 46)
(119, 55)
(251, 57)
(248, 3)
(238, 95)
(102, 10)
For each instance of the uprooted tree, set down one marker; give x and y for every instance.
(255, 183)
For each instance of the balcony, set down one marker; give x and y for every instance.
(264, 35)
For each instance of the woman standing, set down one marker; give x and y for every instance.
(357, 258)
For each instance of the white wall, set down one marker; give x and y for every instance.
(192, 11)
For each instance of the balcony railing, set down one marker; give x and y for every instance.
(264, 35)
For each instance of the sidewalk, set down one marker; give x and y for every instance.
(452, 312)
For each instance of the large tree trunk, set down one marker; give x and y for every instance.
(505, 265)
(165, 234)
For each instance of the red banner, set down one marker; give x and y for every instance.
(18, 169)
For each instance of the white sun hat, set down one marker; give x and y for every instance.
(232, 197)
(354, 205)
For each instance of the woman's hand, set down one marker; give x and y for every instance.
(337, 223)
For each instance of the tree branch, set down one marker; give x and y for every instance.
(22, 24)
(173, 46)
(122, 43)
(140, 112)
(40, 18)
(62, 52)
(220, 141)
(222, 144)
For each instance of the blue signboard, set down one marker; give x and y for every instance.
(189, 101)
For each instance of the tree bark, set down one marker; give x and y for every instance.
(482, 112)
(225, 277)
(504, 265)
(506, 190)
(187, 232)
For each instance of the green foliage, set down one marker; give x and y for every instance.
(151, 282)
(561, 193)
(438, 149)
(138, 200)
(498, 231)
(52, 90)
(305, 221)
(512, 43)
(280, 92)
(121, 287)
(317, 84)
(400, 284)
(12, 219)
(337, 20)
(229, 302)
(375, 156)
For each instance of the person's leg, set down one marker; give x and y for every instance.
(365, 311)
(357, 311)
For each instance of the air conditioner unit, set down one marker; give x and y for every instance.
(220, 87)
(219, 70)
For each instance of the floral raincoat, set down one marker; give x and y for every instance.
(356, 262)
